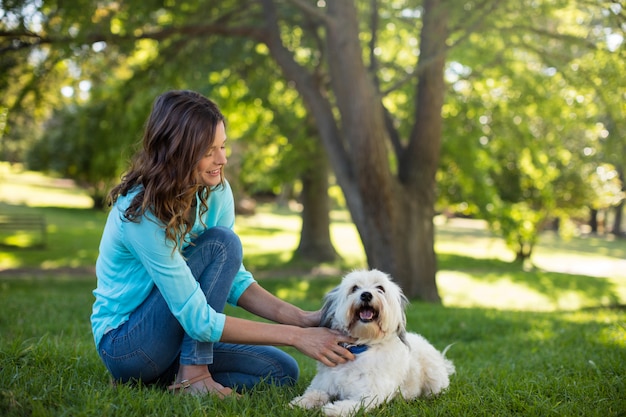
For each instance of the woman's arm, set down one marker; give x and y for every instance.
(296, 328)
(319, 343)
(264, 304)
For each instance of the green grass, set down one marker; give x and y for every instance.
(508, 363)
(550, 340)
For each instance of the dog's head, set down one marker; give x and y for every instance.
(367, 305)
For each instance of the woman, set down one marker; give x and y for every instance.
(169, 261)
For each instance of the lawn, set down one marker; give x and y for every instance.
(550, 340)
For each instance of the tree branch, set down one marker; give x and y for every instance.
(198, 31)
(313, 98)
(550, 35)
(478, 22)
(311, 11)
(373, 70)
(421, 67)
(374, 18)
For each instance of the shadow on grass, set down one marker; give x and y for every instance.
(549, 241)
(554, 285)
(259, 231)
(601, 245)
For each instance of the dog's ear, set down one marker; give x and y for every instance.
(329, 308)
(401, 331)
(402, 336)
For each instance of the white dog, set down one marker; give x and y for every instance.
(368, 306)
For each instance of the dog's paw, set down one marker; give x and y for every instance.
(310, 399)
(297, 402)
(343, 408)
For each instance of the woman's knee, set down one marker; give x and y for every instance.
(218, 238)
(288, 372)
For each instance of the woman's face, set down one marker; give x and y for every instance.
(211, 165)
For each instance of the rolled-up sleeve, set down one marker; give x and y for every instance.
(243, 280)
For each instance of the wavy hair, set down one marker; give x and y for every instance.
(178, 133)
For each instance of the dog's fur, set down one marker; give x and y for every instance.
(370, 307)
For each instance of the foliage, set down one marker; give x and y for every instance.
(535, 126)
(90, 137)
(607, 187)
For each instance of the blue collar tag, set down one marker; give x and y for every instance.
(355, 349)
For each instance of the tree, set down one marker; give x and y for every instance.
(540, 107)
(392, 208)
(371, 75)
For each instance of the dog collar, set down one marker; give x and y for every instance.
(354, 349)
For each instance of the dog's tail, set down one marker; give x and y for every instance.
(448, 363)
(447, 348)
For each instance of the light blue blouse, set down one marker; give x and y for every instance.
(135, 256)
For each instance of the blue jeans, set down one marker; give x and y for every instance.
(152, 343)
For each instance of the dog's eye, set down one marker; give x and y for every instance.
(356, 287)
(380, 288)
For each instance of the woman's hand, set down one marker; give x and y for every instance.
(319, 343)
(322, 344)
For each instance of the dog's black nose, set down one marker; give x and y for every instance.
(366, 296)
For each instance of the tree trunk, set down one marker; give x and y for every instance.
(415, 234)
(315, 243)
(243, 204)
(593, 220)
(617, 220)
(524, 251)
(619, 209)
(393, 213)
(418, 165)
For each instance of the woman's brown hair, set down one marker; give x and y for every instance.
(178, 133)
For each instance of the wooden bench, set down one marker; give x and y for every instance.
(33, 226)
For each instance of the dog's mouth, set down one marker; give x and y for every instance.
(367, 314)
